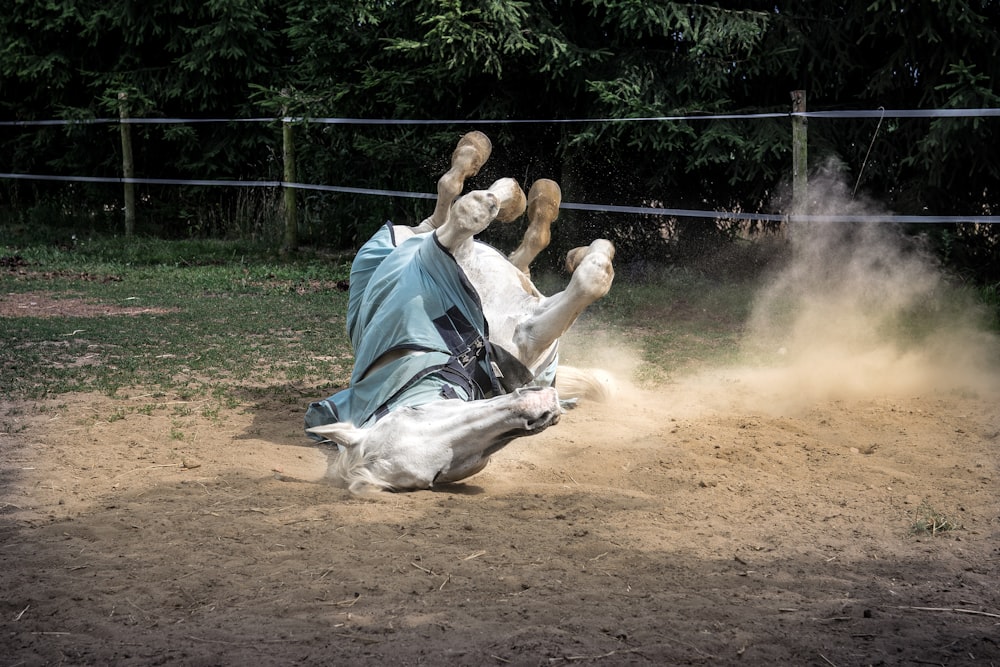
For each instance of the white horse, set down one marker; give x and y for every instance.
(455, 348)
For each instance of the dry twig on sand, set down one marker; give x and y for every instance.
(955, 610)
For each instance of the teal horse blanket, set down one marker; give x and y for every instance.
(414, 296)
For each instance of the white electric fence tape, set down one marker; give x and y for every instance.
(641, 210)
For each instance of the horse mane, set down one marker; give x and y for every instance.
(351, 470)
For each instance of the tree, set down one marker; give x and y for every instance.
(174, 58)
(513, 59)
(928, 54)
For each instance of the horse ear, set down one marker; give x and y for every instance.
(343, 434)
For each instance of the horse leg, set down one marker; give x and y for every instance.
(471, 153)
(591, 280)
(543, 208)
(472, 213)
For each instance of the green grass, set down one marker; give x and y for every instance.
(989, 296)
(932, 523)
(230, 320)
(220, 317)
(676, 320)
(227, 318)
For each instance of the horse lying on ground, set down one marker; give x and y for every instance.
(456, 351)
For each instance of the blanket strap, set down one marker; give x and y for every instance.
(509, 370)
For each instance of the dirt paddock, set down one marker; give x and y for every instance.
(703, 522)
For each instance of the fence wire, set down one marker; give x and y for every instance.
(606, 208)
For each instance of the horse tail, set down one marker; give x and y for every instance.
(594, 384)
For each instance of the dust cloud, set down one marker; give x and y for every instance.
(861, 311)
(858, 311)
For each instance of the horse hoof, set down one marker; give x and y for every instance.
(512, 201)
(576, 255)
(544, 198)
(471, 153)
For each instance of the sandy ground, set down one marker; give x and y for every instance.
(714, 520)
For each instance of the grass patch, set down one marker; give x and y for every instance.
(932, 523)
(676, 320)
(215, 317)
(989, 296)
(233, 321)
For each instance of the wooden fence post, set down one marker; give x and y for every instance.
(288, 157)
(800, 182)
(128, 168)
